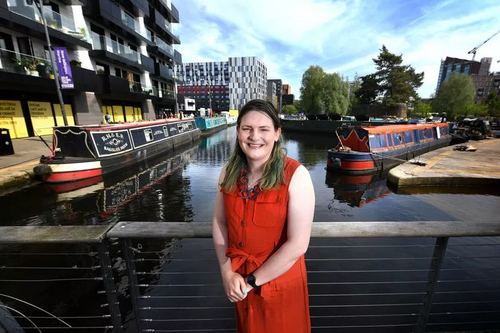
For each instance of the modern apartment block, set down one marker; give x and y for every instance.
(207, 83)
(279, 92)
(121, 54)
(287, 89)
(271, 93)
(225, 85)
(485, 85)
(478, 70)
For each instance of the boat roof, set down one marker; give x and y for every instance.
(403, 127)
(107, 127)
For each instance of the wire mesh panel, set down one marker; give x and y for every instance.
(468, 291)
(49, 287)
(179, 287)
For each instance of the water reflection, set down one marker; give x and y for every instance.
(357, 191)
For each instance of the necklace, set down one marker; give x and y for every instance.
(245, 192)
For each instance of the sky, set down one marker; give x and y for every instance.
(340, 36)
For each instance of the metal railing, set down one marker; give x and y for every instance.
(25, 64)
(53, 19)
(133, 24)
(407, 276)
(137, 87)
(163, 93)
(100, 42)
(164, 46)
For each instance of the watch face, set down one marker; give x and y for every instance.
(251, 280)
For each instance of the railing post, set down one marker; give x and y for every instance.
(435, 269)
(128, 255)
(110, 287)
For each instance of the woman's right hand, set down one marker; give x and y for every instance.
(234, 286)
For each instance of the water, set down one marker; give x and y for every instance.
(181, 187)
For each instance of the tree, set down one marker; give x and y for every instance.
(369, 89)
(455, 97)
(395, 82)
(322, 92)
(290, 109)
(422, 109)
(354, 86)
(493, 102)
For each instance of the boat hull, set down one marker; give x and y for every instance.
(104, 160)
(368, 163)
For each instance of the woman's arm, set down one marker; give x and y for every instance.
(300, 218)
(234, 284)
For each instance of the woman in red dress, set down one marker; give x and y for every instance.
(261, 227)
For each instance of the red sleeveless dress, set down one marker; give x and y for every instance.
(257, 228)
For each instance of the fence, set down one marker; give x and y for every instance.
(163, 277)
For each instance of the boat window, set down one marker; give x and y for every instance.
(421, 134)
(190, 126)
(408, 137)
(428, 133)
(397, 138)
(165, 130)
(180, 128)
(389, 140)
(377, 141)
(148, 134)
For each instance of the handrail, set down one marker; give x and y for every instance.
(319, 229)
(134, 230)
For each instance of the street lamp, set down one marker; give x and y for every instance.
(56, 74)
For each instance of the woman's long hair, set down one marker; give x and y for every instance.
(273, 174)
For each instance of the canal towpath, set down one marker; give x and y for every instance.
(16, 171)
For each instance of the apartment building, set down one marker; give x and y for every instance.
(224, 85)
(122, 60)
(278, 93)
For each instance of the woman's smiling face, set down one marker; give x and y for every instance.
(257, 135)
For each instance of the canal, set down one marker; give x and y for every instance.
(181, 187)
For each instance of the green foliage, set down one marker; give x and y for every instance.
(493, 102)
(298, 105)
(455, 97)
(421, 109)
(322, 92)
(395, 82)
(289, 109)
(369, 89)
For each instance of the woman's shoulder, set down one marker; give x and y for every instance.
(291, 164)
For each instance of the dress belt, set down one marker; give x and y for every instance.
(251, 262)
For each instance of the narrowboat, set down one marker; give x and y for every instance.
(365, 150)
(83, 152)
(210, 125)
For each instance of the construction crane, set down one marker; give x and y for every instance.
(473, 51)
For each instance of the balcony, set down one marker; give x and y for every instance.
(177, 57)
(163, 49)
(107, 49)
(169, 11)
(163, 93)
(165, 28)
(121, 22)
(130, 22)
(164, 72)
(59, 26)
(25, 72)
(116, 86)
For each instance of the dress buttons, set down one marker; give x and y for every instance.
(242, 223)
(240, 244)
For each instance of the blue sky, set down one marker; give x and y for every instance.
(340, 36)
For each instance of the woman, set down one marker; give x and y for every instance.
(261, 227)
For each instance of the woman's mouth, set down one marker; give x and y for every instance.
(254, 146)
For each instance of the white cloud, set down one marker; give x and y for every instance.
(341, 36)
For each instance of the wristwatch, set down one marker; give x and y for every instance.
(251, 280)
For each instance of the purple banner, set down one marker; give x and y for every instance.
(63, 67)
